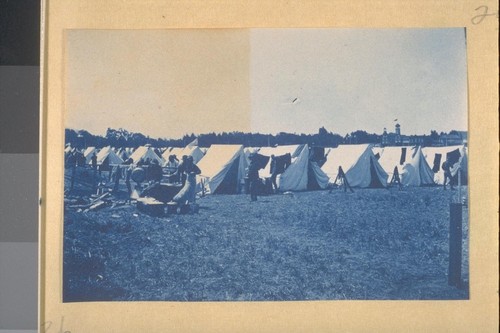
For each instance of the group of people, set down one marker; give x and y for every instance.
(74, 158)
(183, 172)
(149, 170)
(254, 182)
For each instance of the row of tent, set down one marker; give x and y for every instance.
(114, 156)
(223, 167)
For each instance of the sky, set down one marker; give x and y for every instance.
(167, 83)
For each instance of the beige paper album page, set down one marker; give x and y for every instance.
(269, 166)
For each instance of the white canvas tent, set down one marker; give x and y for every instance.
(193, 143)
(107, 156)
(67, 149)
(251, 150)
(410, 162)
(293, 150)
(88, 154)
(173, 151)
(359, 165)
(435, 157)
(223, 169)
(143, 153)
(193, 151)
(302, 174)
(123, 154)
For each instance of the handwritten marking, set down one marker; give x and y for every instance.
(45, 327)
(483, 14)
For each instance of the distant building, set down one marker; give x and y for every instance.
(453, 138)
(385, 139)
(397, 139)
(416, 140)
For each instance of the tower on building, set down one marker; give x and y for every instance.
(398, 135)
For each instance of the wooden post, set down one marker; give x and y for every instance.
(459, 185)
(455, 255)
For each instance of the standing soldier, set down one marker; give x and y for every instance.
(128, 174)
(116, 175)
(94, 168)
(274, 173)
(447, 174)
(94, 161)
(253, 178)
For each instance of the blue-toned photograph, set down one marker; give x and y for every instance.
(265, 165)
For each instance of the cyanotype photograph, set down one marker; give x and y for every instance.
(265, 165)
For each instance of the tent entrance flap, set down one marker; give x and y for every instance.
(312, 183)
(230, 183)
(375, 181)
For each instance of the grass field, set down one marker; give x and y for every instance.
(371, 244)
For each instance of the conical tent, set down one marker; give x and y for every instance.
(435, 157)
(195, 152)
(107, 156)
(359, 165)
(410, 162)
(123, 154)
(144, 153)
(88, 154)
(192, 151)
(178, 152)
(193, 143)
(223, 169)
(293, 150)
(417, 172)
(302, 174)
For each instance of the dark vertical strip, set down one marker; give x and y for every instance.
(19, 32)
(402, 159)
(19, 109)
(455, 255)
(437, 162)
(19, 130)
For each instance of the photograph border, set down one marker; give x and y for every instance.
(479, 313)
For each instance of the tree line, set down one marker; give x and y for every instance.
(122, 138)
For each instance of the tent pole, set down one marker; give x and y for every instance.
(459, 185)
